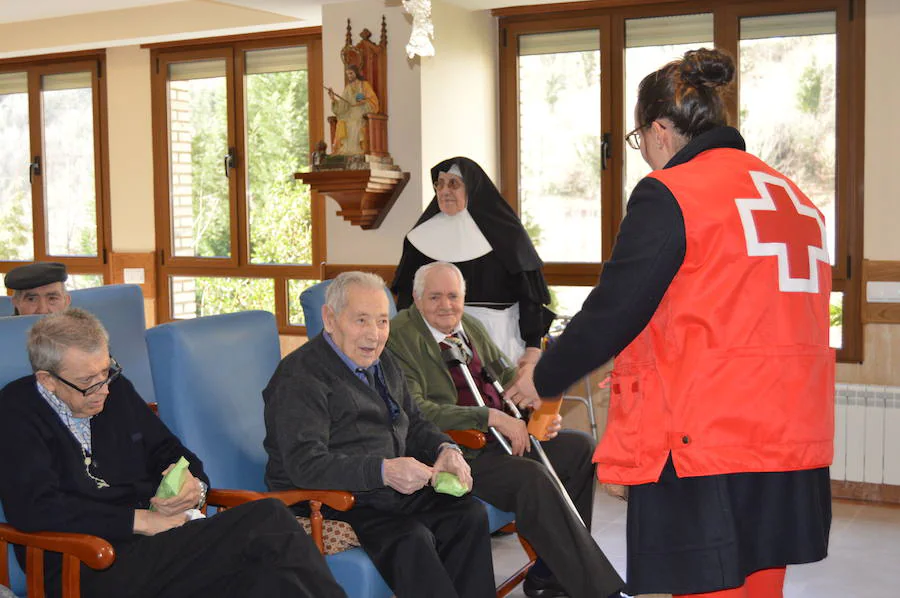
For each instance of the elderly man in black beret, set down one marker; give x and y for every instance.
(38, 288)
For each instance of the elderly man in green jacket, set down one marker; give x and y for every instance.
(571, 563)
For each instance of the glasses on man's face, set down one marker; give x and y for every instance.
(114, 371)
(633, 139)
(452, 183)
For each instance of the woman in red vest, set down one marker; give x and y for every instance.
(715, 305)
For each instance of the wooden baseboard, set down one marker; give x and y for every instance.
(878, 493)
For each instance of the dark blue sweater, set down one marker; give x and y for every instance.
(43, 483)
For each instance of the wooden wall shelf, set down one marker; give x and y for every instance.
(365, 196)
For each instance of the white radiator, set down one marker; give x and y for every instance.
(867, 434)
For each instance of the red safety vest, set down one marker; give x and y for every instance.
(734, 372)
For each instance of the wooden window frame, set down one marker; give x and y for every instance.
(610, 16)
(93, 61)
(238, 265)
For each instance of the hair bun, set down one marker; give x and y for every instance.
(707, 68)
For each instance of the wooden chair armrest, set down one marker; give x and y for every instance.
(473, 439)
(339, 500)
(94, 552)
(336, 499)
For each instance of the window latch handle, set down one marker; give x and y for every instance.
(605, 151)
(229, 161)
(34, 169)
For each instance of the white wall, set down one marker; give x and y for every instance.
(882, 186)
(459, 91)
(130, 149)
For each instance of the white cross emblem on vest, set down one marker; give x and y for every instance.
(777, 224)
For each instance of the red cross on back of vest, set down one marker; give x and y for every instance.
(779, 224)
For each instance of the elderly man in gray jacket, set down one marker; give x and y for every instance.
(339, 417)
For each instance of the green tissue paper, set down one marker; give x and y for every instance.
(448, 483)
(172, 481)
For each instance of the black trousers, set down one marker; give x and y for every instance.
(524, 486)
(425, 544)
(255, 550)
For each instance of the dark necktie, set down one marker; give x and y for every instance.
(376, 384)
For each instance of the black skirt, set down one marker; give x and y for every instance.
(705, 534)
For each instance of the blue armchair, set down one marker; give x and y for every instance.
(209, 374)
(120, 307)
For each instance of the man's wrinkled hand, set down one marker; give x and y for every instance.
(514, 429)
(406, 475)
(187, 498)
(452, 461)
(150, 523)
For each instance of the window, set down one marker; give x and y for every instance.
(568, 88)
(53, 198)
(235, 230)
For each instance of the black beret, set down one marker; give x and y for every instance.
(35, 275)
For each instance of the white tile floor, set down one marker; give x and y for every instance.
(864, 559)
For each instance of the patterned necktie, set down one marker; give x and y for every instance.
(457, 341)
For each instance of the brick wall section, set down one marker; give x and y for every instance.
(181, 134)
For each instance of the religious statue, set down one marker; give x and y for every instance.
(350, 107)
(359, 174)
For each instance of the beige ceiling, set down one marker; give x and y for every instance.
(308, 11)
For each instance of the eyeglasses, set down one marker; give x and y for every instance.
(114, 371)
(452, 183)
(633, 139)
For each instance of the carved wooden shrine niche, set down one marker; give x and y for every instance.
(359, 172)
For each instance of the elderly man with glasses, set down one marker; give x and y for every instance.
(83, 453)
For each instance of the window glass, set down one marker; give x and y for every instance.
(70, 191)
(837, 320)
(650, 43)
(84, 281)
(198, 146)
(566, 301)
(16, 228)
(277, 128)
(559, 144)
(789, 61)
(295, 310)
(192, 297)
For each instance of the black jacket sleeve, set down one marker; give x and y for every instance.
(649, 251)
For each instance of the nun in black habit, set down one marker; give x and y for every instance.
(469, 224)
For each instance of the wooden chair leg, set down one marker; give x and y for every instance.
(34, 571)
(71, 576)
(516, 578)
(315, 520)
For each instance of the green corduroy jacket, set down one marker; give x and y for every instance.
(428, 377)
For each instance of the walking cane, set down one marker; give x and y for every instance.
(492, 370)
(454, 355)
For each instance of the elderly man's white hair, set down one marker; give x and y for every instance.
(422, 274)
(336, 294)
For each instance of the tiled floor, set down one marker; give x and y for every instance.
(864, 559)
